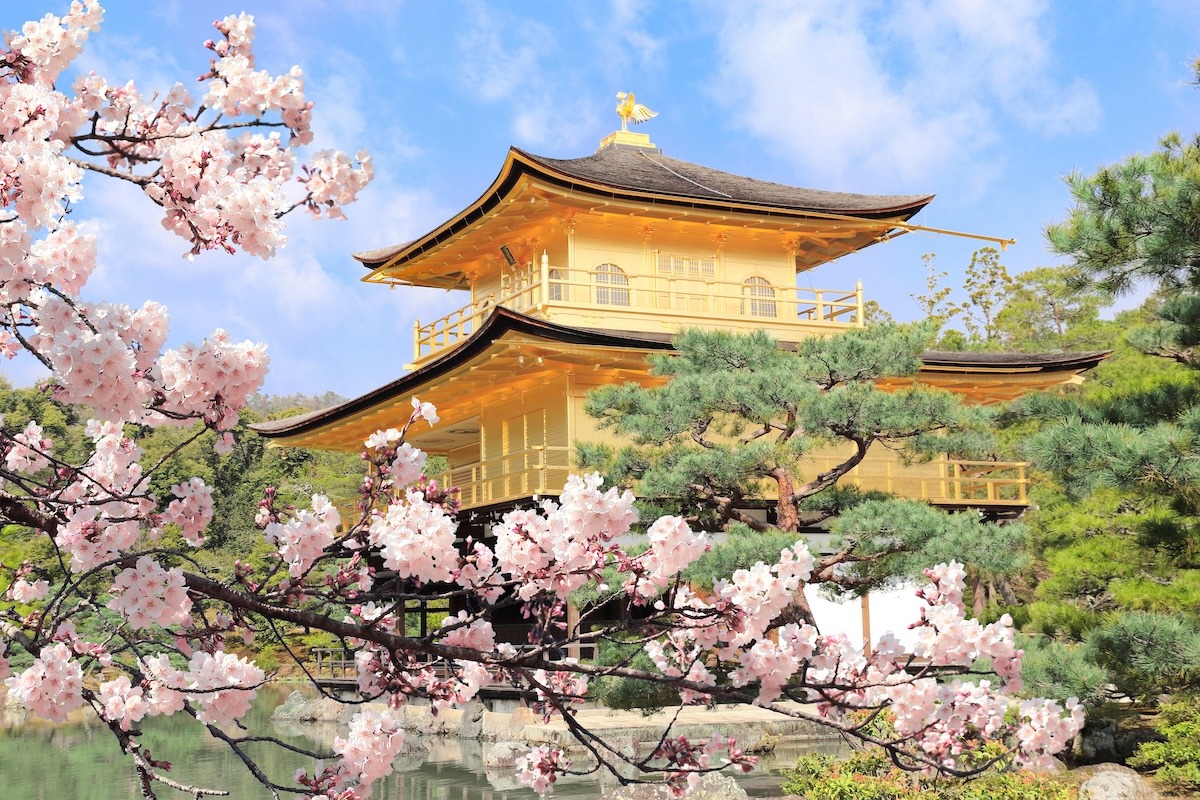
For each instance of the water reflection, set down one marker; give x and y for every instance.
(80, 760)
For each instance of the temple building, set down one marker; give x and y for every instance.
(572, 271)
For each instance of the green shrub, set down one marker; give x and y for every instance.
(1055, 669)
(1176, 761)
(628, 693)
(870, 775)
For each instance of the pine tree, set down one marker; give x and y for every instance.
(739, 419)
(1134, 222)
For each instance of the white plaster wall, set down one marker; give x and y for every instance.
(891, 610)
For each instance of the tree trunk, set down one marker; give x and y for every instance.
(798, 611)
(976, 583)
(787, 517)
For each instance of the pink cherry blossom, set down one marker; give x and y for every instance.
(23, 591)
(148, 595)
(425, 411)
(52, 687)
(303, 538)
(369, 747)
(416, 538)
(123, 702)
(191, 510)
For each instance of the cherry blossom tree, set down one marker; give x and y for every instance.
(125, 627)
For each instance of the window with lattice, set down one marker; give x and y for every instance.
(558, 286)
(687, 266)
(759, 297)
(612, 285)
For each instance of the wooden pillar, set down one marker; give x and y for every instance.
(866, 624)
(572, 633)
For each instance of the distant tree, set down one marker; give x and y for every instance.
(269, 405)
(1046, 309)
(987, 285)
(874, 313)
(935, 303)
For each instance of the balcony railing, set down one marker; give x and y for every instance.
(538, 470)
(544, 471)
(952, 482)
(539, 291)
(984, 483)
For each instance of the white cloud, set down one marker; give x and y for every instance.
(896, 92)
(629, 27)
(503, 61)
(499, 56)
(544, 121)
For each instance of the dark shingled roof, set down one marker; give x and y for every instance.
(503, 320)
(947, 358)
(647, 170)
(635, 172)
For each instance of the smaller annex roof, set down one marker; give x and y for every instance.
(644, 174)
(977, 371)
(954, 360)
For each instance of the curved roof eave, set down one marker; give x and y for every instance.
(519, 163)
(503, 320)
(946, 359)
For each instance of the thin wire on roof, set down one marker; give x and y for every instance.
(685, 177)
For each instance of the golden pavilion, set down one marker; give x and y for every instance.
(572, 271)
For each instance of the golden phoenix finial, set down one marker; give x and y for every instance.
(632, 111)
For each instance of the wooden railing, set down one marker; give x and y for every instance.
(985, 483)
(544, 470)
(537, 291)
(951, 482)
(332, 665)
(538, 470)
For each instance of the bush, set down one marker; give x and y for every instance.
(1147, 654)
(869, 775)
(1055, 669)
(1176, 761)
(628, 693)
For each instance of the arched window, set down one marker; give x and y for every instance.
(612, 285)
(558, 286)
(760, 297)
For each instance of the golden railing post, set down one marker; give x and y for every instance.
(416, 340)
(861, 313)
(544, 293)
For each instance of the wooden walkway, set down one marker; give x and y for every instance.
(333, 669)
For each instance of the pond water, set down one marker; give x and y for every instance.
(81, 761)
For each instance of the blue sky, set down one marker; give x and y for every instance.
(987, 104)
